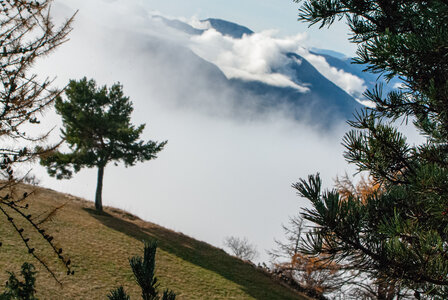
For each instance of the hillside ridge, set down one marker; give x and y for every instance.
(100, 245)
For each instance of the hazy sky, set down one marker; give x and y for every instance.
(258, 15)
(219, 175)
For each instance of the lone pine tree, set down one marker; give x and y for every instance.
(399, 233)
(98, 130)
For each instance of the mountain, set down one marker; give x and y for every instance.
(179, 25)
(347, 64)
(100, 245)
(324, 98)
(331, 53)
(228, 28)
(224, 27)
(188, 68)
(201, 85)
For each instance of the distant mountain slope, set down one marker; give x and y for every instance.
(195, 78)
(325, 99)
(335, 60)
(179, 25)
(332, 53)
(228, 28)
(100, 245)
(224, 27)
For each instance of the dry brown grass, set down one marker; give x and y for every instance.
(99, 246)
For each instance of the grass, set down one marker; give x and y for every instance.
(100, 245)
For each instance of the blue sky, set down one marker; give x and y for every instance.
(259, 15)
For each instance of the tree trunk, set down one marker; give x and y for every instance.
(99, 189)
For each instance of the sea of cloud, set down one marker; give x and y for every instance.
(219, 175)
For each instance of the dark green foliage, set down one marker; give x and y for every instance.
(98, 130)
(399, 233)
(23, 290)
(168, 295)
(118, 294)
(144, 270)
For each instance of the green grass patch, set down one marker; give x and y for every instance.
(100, 245)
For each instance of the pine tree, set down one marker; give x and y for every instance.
(400, 232)
(98, 130)
(144, 274)
(24, 290)
(118, 294)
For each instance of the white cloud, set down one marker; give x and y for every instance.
(198, 24)
(253, 57)
(350, 83)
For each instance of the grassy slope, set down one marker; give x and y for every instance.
(100, 245)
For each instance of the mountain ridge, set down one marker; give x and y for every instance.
(228, 28)
(196, 77)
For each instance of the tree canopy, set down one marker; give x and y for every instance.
(98, 130)
(398, 233)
